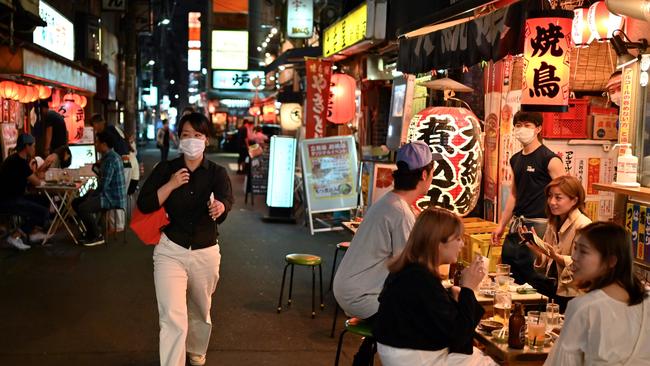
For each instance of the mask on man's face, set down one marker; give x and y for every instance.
(525, 135)
(615, 98)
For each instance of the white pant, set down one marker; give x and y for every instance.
(185, 281)
(391, 356)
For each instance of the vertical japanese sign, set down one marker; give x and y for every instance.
(300, 18)
(626, 111)
(194, 41)
(546, 62)
(319, 73)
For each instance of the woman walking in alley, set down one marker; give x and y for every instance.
(197, 195)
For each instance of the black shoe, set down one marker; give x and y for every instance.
(99, 240)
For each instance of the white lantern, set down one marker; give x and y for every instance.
(290, 116)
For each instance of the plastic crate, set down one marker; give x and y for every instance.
(567, 125)
(480, 244)
(601, 110)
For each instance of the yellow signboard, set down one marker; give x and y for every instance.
(346, 32)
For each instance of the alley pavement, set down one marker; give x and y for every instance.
(72, 305)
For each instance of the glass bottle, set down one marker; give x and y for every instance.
(517, 327)
(458, 271)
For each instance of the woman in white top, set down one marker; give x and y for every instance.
(565, 201)
(609, 325)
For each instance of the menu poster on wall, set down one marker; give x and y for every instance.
(382, 181)
(9, 138)
(260, 172)
(330, 168)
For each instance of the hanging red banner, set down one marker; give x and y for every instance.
(546, 62)
(319, 73)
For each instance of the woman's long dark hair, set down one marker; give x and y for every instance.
(613, 242)
(432, 227)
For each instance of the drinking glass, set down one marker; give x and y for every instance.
(536, 325)
(552, 316)
(503, 269)
(502, 306)
(504, 282)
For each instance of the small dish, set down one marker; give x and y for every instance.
(490, 325)
(526, 290)
(500, 335)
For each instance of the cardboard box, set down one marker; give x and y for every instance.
(604, 126)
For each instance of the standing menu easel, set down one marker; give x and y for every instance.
(330, 170)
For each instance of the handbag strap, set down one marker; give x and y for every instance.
(639, 338)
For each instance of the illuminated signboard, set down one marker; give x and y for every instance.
(194, 41)
(58, 35)
(240, 80)
(346, 32)
(300, 18)
(230, 50)
(282, 163)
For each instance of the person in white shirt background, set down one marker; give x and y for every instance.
(609, 325)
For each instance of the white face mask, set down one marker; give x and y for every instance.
(525, 135)
(615, 98)
(192, 148)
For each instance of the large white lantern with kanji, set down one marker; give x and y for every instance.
(455, 138)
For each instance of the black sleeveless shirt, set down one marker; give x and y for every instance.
(531, 177)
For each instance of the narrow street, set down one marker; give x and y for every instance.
(73, 305)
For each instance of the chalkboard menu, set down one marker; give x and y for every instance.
(260, 172)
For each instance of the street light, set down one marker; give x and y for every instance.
(151, 63)
(165, 21)
(172, 81)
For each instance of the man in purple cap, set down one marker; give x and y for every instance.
(382, 235)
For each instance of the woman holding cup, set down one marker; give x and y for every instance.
(565, 201)
(419, 322)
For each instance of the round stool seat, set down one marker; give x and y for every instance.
(303, 259)
(344, 245)
(359, 326)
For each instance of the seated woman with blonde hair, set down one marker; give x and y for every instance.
(419, 322)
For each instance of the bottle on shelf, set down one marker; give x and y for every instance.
(626, 168)
(517, 327)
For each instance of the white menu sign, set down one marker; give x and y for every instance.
(300, 18)
(282, 164)
(58, 35)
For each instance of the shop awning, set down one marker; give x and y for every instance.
(33, 63)
(293, 56)
(488, 38)
(237, 94)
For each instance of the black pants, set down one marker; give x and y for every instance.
(86, 207)
(33, 208)
(164, 153)
(367, 349)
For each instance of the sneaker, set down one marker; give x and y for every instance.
(17, 243)
(39, 236)
(92, 242)
(197, 360)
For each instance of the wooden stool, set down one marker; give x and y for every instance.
(359, 327)
(308, 260)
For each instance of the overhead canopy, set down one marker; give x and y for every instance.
(294, 56)
(237, 94)
(488, 38)
(447, 84)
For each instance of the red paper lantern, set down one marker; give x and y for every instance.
(83, 101)
(454, 136)
(34, 94)
(28, 96)
(8, 89)
(546, 62)
(44, 92)
(580, 32)
(602, 22)
(254, 111)
(73, 97)
(341, 103)
(20, 95)
(74, 118)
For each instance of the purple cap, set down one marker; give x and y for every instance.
(416, 154)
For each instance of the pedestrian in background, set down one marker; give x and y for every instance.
(197, 196)
(163, 138)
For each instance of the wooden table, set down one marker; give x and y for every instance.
(526, 299)
(350, 226)
(510, 356)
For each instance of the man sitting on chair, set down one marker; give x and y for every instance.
(110, 193)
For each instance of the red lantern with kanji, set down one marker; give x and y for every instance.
(546, 61)
(74, 118)
(454, 136)
(602, 22)
(580, 32)
(342, 99)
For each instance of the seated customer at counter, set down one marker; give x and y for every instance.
(420, 322)
(15, 175)
(610, 325)
(565, 200)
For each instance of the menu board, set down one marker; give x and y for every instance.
(260, 172)
(330, 173)
(282, 165)
(9, 138)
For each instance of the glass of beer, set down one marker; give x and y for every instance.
(536, 324)
(503, 270)
(502, 306)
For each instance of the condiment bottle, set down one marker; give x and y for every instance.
(517, 327)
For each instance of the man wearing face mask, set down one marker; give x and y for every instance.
(533, 168)
(614, 88)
